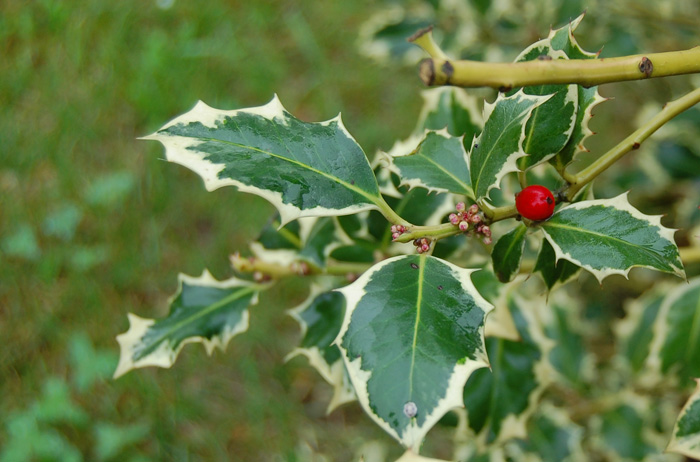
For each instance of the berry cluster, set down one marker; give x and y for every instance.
(465, 218)
(422, 244)
(397, 230)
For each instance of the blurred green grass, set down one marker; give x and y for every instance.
(93, 224)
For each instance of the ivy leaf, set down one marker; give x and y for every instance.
(610, 236)
(203, 310)
(686, 432)
(499, 401)
(553, 272)
(320, 318)
(439, 163)
(676, 344)
(496, 150)
(508, 252)
(303, 169)
(411, 337)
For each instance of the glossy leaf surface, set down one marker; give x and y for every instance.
(496, 150)
(610, 236)
(412, 335)
(508, 252)
(303, 169)
(204, 310)
(439, 163)
(686, 432)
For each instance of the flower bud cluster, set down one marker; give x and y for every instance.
(422, 244)
(466, 218)
(397, 230)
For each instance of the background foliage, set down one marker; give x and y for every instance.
(94, 225)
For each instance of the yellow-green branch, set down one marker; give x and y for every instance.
(440, 70)
(632, 142)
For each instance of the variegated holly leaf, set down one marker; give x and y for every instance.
(551, 124)
(508, 252)
(686, 432)
(563, 40)
(439, 163)
(626, 429)
(675, 348)
(553, 436)
(411, 337)
(320, 318)
(203, 310)
(303, 169)
(496, 150)
(610, 236)
(553, 272)
(308, 240)
(573, 362)
(451, 108)
(500, 400)
(635, 332)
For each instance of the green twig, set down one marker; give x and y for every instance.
(632, 142)
(440, 70)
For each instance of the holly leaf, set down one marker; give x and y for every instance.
(686, 431)
(500, 400)
(303, 169)
(636, 331)
(553, 272)
(675, 348)
(320, 318)
(411, 337)
(439, 163)
(550, 126)
(453, 109)
(508, 252)
(203, 310)
(563, 40)
(496, 150)
(553, 436)
(610, 236)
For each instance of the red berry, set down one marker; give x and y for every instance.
(535, 203)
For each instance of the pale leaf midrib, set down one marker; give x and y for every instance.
(464, 185)
(513, 121)
(200, 314)
(643, 249)
(373, 199)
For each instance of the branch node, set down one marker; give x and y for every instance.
(646, 67)
(427, 71)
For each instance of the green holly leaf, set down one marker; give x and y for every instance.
(320, 318)
(500, 400)
(635, 332)
(496, 150)
(439, 163)
(553, 272)
(553, 436)
(303, 169)
(550, 126)
(203, 310)
(451, 108)
(411, 337)
(563, 40)
(610, 236)
(686, 432)
(508, 252)
(623, 432)
(569, 356)
(675, 348)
